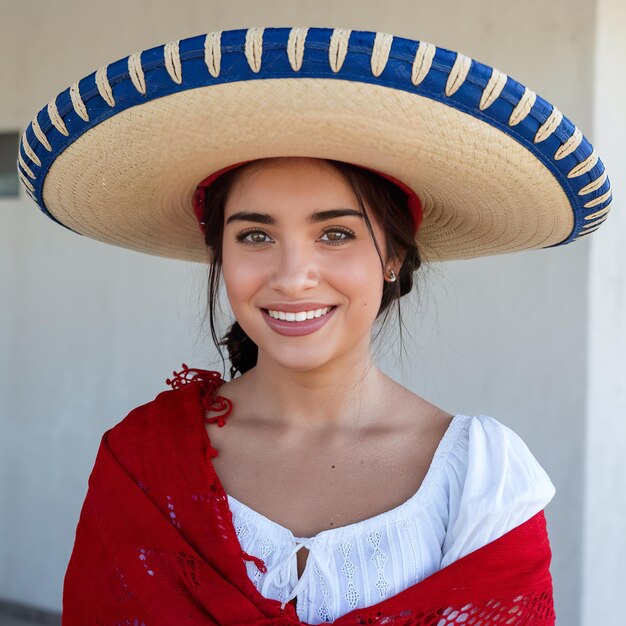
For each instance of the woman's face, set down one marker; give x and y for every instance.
(289, 253)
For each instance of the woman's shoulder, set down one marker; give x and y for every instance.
(170, 407)
(486, 435)
(494, 484)
(491, 460)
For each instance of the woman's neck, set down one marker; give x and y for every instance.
(333, 396)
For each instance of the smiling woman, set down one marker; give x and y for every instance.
(334, 494)
(310, 250)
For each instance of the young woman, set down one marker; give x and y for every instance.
(310, 487)
(323, 451)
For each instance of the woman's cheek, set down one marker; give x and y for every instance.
(357, 279)
(242, 284)
(362, 275)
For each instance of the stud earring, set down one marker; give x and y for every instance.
(392, 276)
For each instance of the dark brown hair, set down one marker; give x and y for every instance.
(386, 200)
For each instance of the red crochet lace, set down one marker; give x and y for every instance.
(155, 543)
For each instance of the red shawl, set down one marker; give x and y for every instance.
(155, 544)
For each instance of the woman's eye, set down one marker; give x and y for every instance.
(255, 234)
(345, 235)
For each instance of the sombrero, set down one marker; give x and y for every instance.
(119, 155)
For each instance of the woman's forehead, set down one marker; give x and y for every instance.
(310, 181)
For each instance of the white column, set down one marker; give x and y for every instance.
(604, 552)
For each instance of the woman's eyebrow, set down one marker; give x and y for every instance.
(313, 218)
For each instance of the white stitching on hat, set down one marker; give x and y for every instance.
(39, 134)
(598, 200)
(30, 194)
(25, 180)
(136, 72)
(494, 88)
(213, 52)
(173, 66)
(587, 227)
(295, 47)
(77, 102)
(549, 126)
(593, 185)
(338, 48)
(584, 233)
(380, 52)
(523, 107)
(594, 223)
(254, 48)
(25, 167)
(104, 87)
(570, 145)
(606, 209)
(595, 227)
(587, 232)
(584, 166)
(30, 153)
(55, 118)
(458, 73)
(422, 62)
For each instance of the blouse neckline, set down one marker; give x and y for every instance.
(420, 497)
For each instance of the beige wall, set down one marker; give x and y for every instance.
(89, 331)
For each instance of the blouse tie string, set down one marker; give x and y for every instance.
(300, 542)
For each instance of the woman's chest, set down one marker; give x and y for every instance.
(317, 483)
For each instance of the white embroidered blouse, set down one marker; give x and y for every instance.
(482, 482)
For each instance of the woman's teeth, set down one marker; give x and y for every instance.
(300, 315)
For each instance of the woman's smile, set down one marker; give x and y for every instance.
(293, 324)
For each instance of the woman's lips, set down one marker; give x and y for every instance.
(292, 329)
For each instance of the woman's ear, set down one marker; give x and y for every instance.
(396, 263)
(395, 266)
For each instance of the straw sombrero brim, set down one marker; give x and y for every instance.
(117, 156)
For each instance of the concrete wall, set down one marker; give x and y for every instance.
(87, 331)
(604, 557)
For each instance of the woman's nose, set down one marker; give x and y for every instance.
(296, 269)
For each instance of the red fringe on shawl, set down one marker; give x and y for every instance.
(155, 544)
